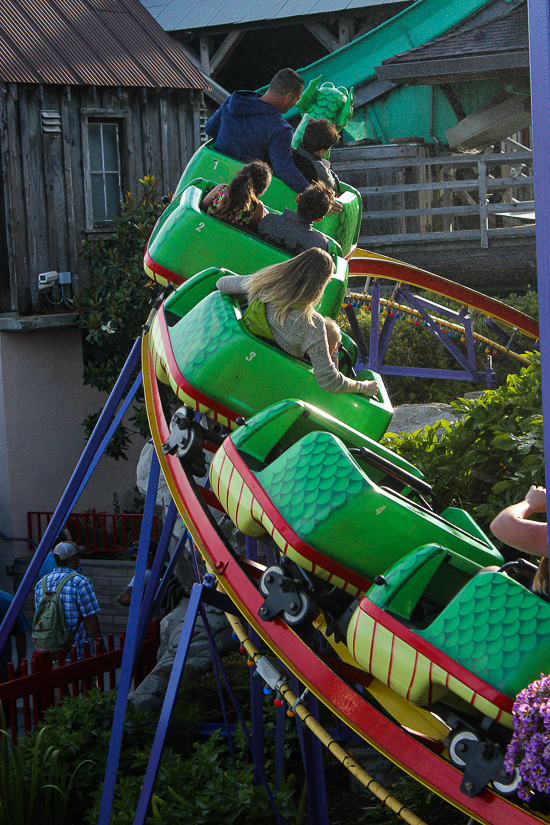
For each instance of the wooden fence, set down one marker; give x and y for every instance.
(105, 532)
(37, 687)
(446, 198)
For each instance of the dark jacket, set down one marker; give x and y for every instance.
(291, 232)
(311, 167)
(247, 128)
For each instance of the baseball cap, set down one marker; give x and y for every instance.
(65, 550)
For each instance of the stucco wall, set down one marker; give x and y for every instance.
(42, 405)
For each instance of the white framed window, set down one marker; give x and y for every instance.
(103, 141)
(105, 170)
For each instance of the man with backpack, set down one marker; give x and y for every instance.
(66, 606)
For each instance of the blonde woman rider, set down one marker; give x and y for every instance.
(289, 292)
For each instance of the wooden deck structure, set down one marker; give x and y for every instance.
(467, 217)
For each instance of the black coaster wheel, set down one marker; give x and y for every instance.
(306, 610)
(455, 745)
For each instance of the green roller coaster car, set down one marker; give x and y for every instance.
(202, 348)
(336, 502)
(343, 227)
(185, 240)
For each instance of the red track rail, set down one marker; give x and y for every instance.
(386, 736)
(407, 274)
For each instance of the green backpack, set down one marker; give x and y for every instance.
(256, 321)
(49, 628)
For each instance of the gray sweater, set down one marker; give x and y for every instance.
(291, 232)
(298, 337)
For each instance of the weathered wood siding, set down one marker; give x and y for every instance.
(44, 176)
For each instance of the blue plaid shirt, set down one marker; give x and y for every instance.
(78, 600)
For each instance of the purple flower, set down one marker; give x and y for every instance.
(529, 749)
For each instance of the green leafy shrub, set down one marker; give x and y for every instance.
(204, 790)
(195, 785)
(491, 456)
(113, 307)
(35, 784)
(80, 729)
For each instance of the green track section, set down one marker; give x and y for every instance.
(403, 110)
(420, 23)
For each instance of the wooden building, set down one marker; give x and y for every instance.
(94, 95)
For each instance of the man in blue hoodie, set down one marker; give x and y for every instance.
(249, 126)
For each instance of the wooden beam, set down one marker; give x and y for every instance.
(205, 53)
(323, 35)
(69, 189)
(346, 29)
(217, 94)
(226, 50)
(188, 53)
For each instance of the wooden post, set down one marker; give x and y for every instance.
(205, 54)
(482, 176)
(41, 662)
(164, 151)
(346, 27)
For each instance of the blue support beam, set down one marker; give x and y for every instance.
(539, 55)
(312, 756)
(128, 656)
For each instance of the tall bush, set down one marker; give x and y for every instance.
(113, 307)
(491, 455)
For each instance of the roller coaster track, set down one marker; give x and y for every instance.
(369, 264)
(396, 733)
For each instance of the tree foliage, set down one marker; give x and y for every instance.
(490, 457)
(113, 307)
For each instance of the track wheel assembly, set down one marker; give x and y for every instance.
(482, 763)
(284, 596)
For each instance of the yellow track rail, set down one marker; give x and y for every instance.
(335, 749)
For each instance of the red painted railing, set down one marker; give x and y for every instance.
(38, 688)
(105, 532)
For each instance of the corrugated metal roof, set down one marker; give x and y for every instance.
(175, 15)
(90, 42)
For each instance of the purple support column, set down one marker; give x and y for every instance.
(312, 756)
(539, 50)
(128, 657)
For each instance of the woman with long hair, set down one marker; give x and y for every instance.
(239, 202)
(286, 293)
